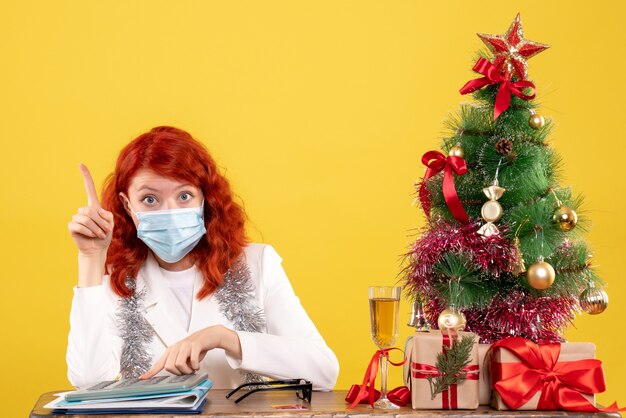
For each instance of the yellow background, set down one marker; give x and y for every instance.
(318, 112)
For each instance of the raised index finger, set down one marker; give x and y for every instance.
(90, 187)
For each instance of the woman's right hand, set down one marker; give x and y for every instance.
(92, 230)
(92, 226)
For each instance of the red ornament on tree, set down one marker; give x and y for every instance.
(511, 50)
(436, 162)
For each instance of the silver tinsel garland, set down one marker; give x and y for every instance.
(136, 334)
(236, 299)
(235, 296)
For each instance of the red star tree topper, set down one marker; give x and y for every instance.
(511, 50)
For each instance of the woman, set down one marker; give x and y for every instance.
(166, 280)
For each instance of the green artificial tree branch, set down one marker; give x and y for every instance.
(450, 365)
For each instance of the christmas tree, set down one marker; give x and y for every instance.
(502, 252)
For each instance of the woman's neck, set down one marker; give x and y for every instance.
(180, 265)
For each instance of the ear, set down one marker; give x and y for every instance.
(125, 203)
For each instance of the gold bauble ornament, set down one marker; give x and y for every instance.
(594, 300)
(536, 121)
(456, 151)
(565, 218)
(451, 318)
(540, 275)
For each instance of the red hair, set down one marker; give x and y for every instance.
(173, 153)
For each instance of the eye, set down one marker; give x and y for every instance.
(185, 196)
(149, 200)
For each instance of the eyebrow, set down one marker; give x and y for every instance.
(157, 190)
(146, 188)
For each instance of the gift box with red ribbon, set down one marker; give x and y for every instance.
(529, 376)
(484, 383)
(426, 346)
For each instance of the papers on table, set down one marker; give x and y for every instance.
(189, 401)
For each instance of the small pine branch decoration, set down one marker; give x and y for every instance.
(450, 366)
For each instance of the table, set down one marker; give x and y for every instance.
(324, 405)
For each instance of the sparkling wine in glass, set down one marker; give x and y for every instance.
(384, 308)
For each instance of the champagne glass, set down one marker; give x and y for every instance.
(384, 308)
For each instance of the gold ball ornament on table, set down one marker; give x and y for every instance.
(565, 217)
(594, 300)
(451, 318)
(456, 151)
(536, 121)
(540, 275)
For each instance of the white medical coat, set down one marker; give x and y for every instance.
(291, 347)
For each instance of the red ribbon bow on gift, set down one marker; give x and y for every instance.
(436, 161)
(366, 392)
(493, 76)
(561, 383)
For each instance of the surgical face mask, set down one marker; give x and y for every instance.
(171, 233)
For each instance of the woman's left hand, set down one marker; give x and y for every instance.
(185, 356)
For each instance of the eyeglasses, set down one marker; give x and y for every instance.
(303, 388)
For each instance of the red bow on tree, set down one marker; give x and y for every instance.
(493, 76)
(436, 161)
(562, 384)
